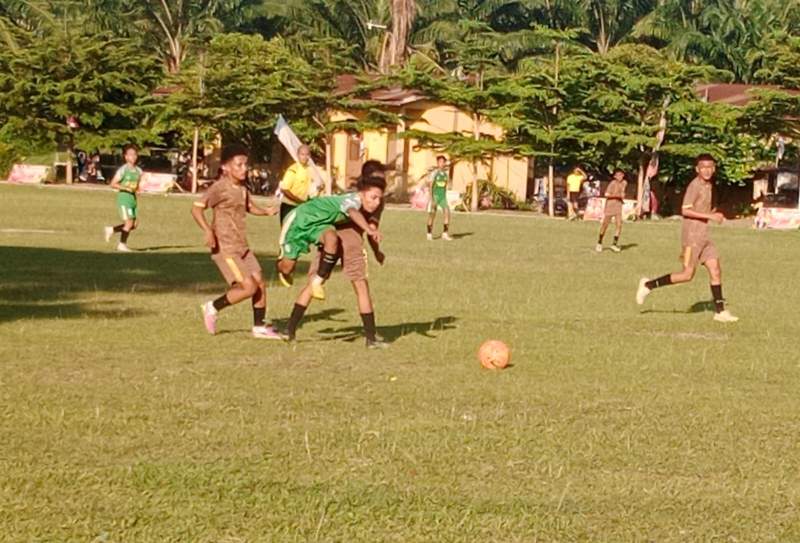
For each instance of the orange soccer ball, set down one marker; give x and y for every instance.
(494, 354)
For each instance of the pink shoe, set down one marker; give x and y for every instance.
(266, 332)
(209, 317)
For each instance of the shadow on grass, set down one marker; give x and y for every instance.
(697, 307)
(627, 246)
(44, 283)
(392, 333)
(462, 235)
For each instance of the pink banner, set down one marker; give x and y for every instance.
(28, 173)
(156, 182)
(595, 207)
(779, 218)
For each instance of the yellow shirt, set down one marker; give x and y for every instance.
(296, 180)
(574, 181)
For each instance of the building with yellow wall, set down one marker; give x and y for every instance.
(409, 160)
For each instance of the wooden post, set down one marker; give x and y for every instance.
(328, 165)
(550, 188)
(195, 141)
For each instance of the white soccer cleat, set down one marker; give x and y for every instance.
(429, 237)
(616, 248)
(266, 332)
(642, 291)
(108, 231)
(123, 248)
(725, 316)
(446, 237)
(210, 317)
(598, 248)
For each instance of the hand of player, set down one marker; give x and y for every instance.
(211, 240)
(380, 257)
(718, 217)
(272, 211)
(376, 235)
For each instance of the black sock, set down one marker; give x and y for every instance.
(294, 320)
(446, 228)
(118, 228)
(600, 239)
(719, 301)
(616, 240)
(369, 325)
(259, 314)
(221, 303)
(662, 281)
(430, 229)
(123, 238)
(327, 262)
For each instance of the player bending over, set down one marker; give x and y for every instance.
(313, 222)
(439, 182)
(697, 245)
(226, 237)
(615, 195)
(354, 266)
(126, 182)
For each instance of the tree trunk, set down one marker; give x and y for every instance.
(195, 141)
(328, 166)
(476, 132)
(550, 188)
(640, 185)
(394, 53)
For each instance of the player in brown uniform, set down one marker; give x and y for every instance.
(615, 194)
(226, 237)
(354, 266)
(697, 245)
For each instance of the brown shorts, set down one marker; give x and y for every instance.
(235, 269)
(613, 209)
(699, 253)
(352, 253)
(573, 197)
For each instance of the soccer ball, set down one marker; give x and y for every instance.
(494, 354)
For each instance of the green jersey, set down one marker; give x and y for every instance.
(439, 181)
(129, 178)
(306, 223)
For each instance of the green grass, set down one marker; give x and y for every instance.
(121, 420)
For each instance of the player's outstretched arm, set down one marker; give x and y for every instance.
(115, 182)
(715, 216)
(255, 209)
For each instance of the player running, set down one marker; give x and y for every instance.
(314, 221)
(439, 182)
(126, 182)
(697, 245)
(226, 237)
(615, 195)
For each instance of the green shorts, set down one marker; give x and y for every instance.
(126, 204)
(438, 199)
(298, 234)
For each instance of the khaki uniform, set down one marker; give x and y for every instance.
(232, 255)
(615, 194)
(696, 243)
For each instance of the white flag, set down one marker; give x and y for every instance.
(292, 143)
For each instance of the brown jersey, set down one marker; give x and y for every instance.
(229, 202)
(697, 198)
(616, 190)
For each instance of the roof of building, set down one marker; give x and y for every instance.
(735, 94)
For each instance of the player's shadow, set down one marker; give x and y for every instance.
(460, 235)
(628, 246)
(46, 283)
(697, 307)
(324, 315)
(391, 333)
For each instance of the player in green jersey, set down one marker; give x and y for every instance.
(439, 181)
(314, 222)
(126, 182)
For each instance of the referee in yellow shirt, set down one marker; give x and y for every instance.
(296, 182)
(574, 183)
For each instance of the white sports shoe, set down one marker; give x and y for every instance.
(123, 248)
(599, 247)
(616, 248)
(446, 236)
(266, 332)
(108, 231)
(725, 316)
(429, 237)
(642, 291)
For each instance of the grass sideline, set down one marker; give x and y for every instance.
(121, 420)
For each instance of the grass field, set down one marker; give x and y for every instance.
(122, 420)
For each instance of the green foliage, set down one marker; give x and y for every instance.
(103, 80)
(8, 157)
